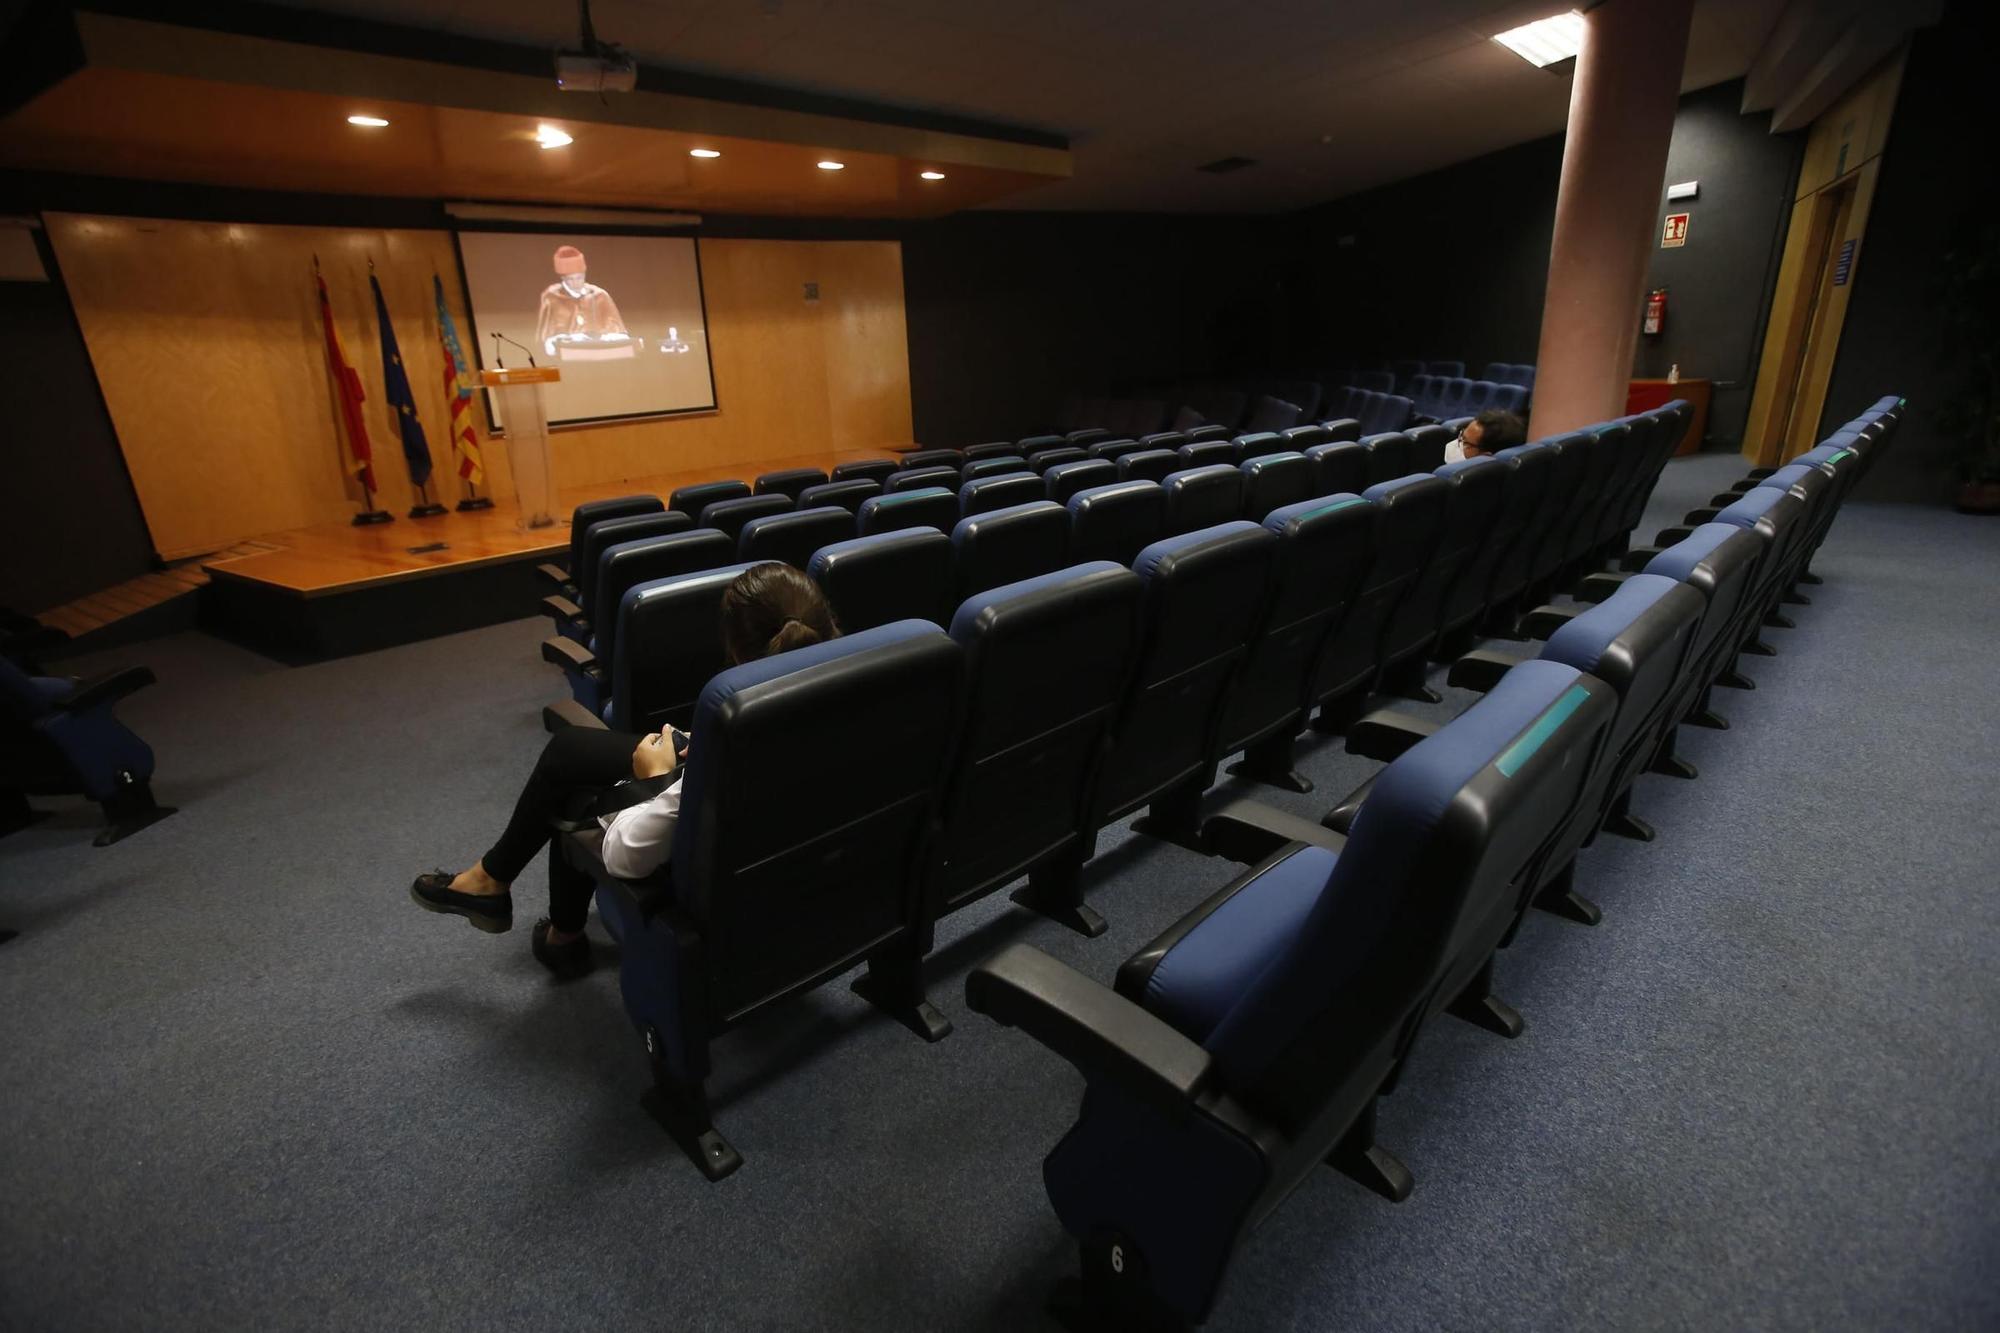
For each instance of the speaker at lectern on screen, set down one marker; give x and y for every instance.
(620, 316)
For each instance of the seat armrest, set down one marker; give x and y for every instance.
(1481, 670)
(570, 713)
(1758, 474)
(562, 610)
(1722, 500)
(557, 575)
(1638, 558)
(1738, 488)
(1695, 517)
(1109, 1040)
(570, 656)
(1546, 620)
(1596, 587)
(1385, 733)
(1247, 831)
(107, 689)
(1668, 536)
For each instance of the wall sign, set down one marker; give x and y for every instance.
(1845, 264)
(1676, 232)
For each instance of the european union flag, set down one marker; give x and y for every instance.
(416, 449)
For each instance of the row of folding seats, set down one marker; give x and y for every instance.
(1443, 398)
(1253, 1039)
(1376, 410)
(1508, 372)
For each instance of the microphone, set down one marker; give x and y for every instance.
(501, 338)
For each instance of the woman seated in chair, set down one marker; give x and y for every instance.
(770, 608)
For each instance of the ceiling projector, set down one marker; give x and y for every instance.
(577, 72)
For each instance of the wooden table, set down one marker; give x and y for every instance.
(1645, 395)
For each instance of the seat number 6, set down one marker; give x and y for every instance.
(1117, 1258)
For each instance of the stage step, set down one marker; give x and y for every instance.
(106, 608)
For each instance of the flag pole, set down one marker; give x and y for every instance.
(458, 395)
(338, 368)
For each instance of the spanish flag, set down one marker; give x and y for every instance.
(458, 392)
(347, 387)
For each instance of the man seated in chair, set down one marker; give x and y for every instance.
(1488, 433)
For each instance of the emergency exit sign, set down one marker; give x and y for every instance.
(1676, 232)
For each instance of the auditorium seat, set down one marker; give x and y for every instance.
(1254, 446)
(1341, 428)
(1036, 444)
(580, 519)
(1340, 466)
(1459, 567)
(1322, 546)
(1629, 441)
(993, 467)
(877, 470)
(792, 538)
(847, 494)
(1409, 505)
(1001, 546)
(757, 904)
(1083, 439)
(1451, 396)
(1510, 398)
(1566, 475)
(1201, 497)
(619, 569)
(1148, 464)
(1385, 412)
(922, 478)
(1406, 520)
(998, 449)
(1046, 663)
(1202, 599)
(571, 619)
(929, 506)
(1001, 492)
(900, 575)
(788, 482)
(691, 500)
(728, 516)
(1272, 414)
(1040, 463)
(63, 738)
(1200, 453)
(1272, 481)
(1165, 439)
(1220, 406)
(1422, 391)
(1200, 433)
(667, 648)
(1247, 1044)
(1115, 522)
(1425, 452)
(1305, 437)
(1113, 450)
(922, 458)
(1446, 369)
(1400, 375)
(1066, 479)
(1388, 456)
(1517, 533)
(1304, 393)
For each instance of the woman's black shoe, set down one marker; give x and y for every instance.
(567, 961)
(490, 912)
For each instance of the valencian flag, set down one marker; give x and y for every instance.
(347, 385)
(416, 449)
(457, 391)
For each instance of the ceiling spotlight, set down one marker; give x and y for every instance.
(833, 166)
(372, 122)
(932, 175)
(703, 152)
(548, 136)
(1545, 41)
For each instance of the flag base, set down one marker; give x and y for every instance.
(370, 516)
(475, 502)
(427, 510)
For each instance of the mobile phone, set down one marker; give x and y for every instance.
(679, 739)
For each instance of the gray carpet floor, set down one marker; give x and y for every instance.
(244, 1083)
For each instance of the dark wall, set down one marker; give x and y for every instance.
(1934, 188)
(1010, 312)
(1719, 285)
(1454, 264)
(73, 524)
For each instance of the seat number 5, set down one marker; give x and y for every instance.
(1117, 1258)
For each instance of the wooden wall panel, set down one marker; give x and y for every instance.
(206, 340)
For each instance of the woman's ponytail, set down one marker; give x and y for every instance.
(792, 634)
(773, 608)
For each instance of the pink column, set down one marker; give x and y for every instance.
(1621, 116)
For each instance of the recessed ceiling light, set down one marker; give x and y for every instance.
(548, 136)
(372, 122)
(932, 175)
(703, 152)
(833, 166)
(1545, 41)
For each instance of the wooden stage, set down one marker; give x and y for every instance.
(326, 591)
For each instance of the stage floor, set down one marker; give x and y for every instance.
(341, 558)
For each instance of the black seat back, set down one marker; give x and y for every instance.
(691, 500)
(1115, 522)
(728, 517)
(1388, 456)
(789, 481)
(925, 507)
(1002, 492)
(1342, 467)
(596, 511)
(608, 532)
(1411, 513)
(847, 494)
(1002, 546)
(792, 538)
(1461, 568)
(877, 470)
(669, 643)
(1066, 479)
(1272, 481)
(1201, 497)
(632, 563)
(900, 575)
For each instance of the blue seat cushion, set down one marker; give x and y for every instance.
(1678, 561)
(1583, 641)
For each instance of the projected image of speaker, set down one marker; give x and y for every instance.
(620, 315)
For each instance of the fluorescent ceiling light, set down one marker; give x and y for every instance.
(1545, 41)
(372, 122)
(832, 166)
(932, 175)
(548, 136)
(703, 152)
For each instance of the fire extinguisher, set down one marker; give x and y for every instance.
(1656, 310)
